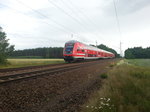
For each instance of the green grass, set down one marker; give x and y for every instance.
(127, 89)
(15, 63)
(26, 57)
(140, 62)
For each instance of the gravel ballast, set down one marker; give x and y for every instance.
(63, 92)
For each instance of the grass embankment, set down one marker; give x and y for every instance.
(127, 89)
(15, 63)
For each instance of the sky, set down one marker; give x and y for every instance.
(51, 23)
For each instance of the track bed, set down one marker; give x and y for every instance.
(64, 91)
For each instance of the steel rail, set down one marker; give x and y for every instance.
(33, 74)
(28, 67)
(35, 67)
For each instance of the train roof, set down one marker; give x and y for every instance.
(88, 46)
(72, 41)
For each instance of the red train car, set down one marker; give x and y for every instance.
(75, 50)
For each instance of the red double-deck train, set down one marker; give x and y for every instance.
(75, 50)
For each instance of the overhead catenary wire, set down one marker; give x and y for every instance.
(18, 11)
(86, 18)
(72, 10)
(83, 14)
(6, 6)
(118, 25)
(76, 20)
(28, 15)
(83, 18)
(72, 17)
(31, 36)
(116, 14)
(64, 28)
(51, 19)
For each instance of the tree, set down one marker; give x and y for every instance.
(137, 52)
(5, 48)
(129, 54)
(104, 47)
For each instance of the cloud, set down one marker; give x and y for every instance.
(1, 6)
(124, 7)
(96, 22)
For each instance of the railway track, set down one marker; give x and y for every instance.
(34, 67)
(28, 67)
(35, 74)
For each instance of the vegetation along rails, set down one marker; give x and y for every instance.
(34, 67)
(29, 67)
(52, 71)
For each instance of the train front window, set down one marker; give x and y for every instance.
(69, 49)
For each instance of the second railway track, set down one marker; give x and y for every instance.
(34, 74)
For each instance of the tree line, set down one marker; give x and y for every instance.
(46, 52)
(137, 52)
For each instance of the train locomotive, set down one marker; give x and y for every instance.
(75, 50)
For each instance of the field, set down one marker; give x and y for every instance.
(14, 63)
(140, 62)
(125, 89)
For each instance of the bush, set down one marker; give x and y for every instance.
(103, 76)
